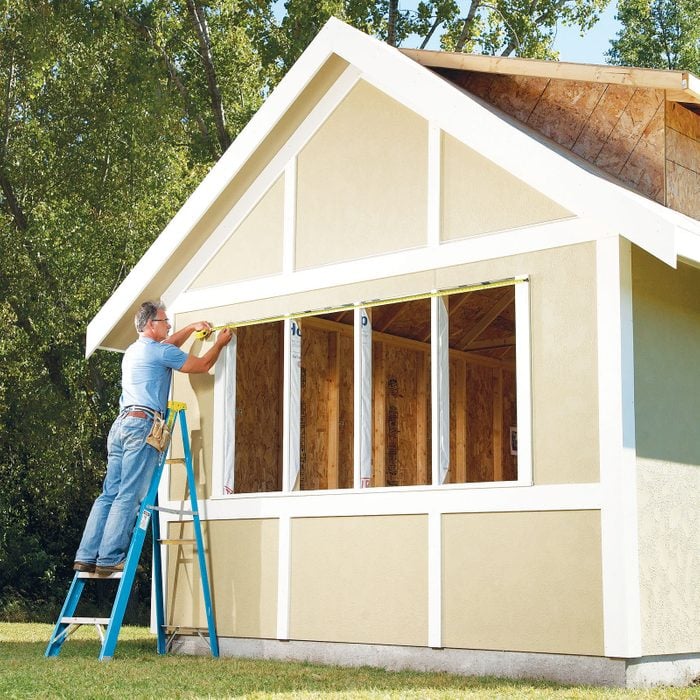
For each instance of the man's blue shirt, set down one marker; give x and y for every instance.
(146, 372)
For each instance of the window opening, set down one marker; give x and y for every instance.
(483, 407)
(401, 335)
(258, 409)
(326, 405)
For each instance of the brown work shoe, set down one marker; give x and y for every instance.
(113, 569)
(84, 566)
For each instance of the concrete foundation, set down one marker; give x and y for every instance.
(560, 668)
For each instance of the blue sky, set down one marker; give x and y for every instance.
(592, 47)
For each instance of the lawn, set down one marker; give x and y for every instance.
(138, 672)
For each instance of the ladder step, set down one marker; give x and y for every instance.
(177, 511)
(169, 541)
(101, 577)
(85, 620)
(175, 460)
(176, 629)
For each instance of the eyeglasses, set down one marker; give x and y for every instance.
(160, 320)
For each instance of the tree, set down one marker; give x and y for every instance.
(658, 34)
(107, 123)
(505, 27)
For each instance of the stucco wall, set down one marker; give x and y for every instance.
(514, 581)
(667, 406)
(362, 181)
(473, 200)
(523, 581)
(242, 567)
(254, 248)
(360, 579)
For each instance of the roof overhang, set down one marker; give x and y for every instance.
(680, 86)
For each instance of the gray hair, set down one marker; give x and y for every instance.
(147, 312)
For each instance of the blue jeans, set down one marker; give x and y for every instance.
(130, 466)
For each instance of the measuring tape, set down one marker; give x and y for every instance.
(364, 305)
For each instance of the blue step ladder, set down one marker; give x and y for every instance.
(108, 628)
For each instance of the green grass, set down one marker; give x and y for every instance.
(138, 672)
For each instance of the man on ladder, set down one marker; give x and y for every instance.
(131, 456)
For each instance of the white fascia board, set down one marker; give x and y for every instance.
(621, 211)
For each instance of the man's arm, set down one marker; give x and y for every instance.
(198, 365)
(179, 337)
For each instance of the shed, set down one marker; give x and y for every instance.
(457, 429)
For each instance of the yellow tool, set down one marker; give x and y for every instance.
(363, 305)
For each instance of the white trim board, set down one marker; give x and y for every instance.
(476, 249)
(616, 426)
(504, 497)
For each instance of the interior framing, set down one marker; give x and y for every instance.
(290, 439)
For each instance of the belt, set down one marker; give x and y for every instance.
(139, 412)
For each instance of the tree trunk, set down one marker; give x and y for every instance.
(466, 33)
(199, 20)
(393, 18)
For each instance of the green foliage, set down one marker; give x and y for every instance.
(658, 34)
(99, 147)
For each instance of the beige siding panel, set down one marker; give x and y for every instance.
(242, 572)
(667, 405)
(254, 248)
(523, 582)
(479, 197)
(362, 181)
(197, 391)
(666, 342)
(564, 352)
(669, 556)
(360, 579)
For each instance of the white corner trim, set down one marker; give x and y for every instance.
(286, 403)
(616, 425)
(290, 217)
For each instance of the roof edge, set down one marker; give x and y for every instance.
(681, 86)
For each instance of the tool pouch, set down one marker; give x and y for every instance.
(159, 437)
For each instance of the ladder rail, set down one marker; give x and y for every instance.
(197, 527)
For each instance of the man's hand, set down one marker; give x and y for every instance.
(224, 337)
(203, 327)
